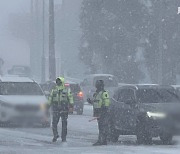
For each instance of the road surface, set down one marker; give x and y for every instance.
(81, 135)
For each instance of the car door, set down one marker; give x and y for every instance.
(127, 110)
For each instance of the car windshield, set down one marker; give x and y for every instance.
(109, 81)
(20, 88)
(147, 96)
(75, 88)
(156, 96)
(168, 95)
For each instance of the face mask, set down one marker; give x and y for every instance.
(59, 83)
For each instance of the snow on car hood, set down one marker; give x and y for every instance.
(18, 100)
(161, 107)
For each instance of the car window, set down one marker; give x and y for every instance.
(116, 95)
(157, 96)
(148, 96)
(126, 94)
(86, 82)
(168, 95)
(109, 81)
(75, 88)
(20, 88)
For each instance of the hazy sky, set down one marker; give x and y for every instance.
(12, 50)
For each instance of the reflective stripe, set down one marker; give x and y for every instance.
(101, 99)
(59, 96)
(106, 99)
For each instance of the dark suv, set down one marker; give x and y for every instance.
(146, 111)
(77, 96)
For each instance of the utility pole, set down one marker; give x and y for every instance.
(43, 73)
(160, 55)
(32, 33)
(52, 59)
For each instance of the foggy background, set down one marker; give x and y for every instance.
(12, 50)
(138, 41)
(19, 26)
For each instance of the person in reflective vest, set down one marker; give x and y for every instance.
(101, 103)
(61, 101)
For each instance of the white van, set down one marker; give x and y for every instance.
(88, 84)
(22, 101)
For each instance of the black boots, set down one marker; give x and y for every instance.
(55, 138)
(63, 140)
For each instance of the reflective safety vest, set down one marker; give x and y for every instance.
(60, 95)
(101, 99)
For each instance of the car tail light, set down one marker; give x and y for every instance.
(80, 94)
(67, 84)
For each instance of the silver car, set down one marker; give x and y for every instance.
(22, 101)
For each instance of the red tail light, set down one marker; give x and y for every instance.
(80, 94)
(67, 84)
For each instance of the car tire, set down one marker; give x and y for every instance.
(114, 137)
(142, 134)
(114, 134)
(166, 138)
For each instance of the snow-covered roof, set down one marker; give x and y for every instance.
(15, 79)
(139, 86)
(147, 84)
(96, 75)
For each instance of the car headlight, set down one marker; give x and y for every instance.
(43, 107)
(156, 115)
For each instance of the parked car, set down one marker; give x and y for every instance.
(77, 93)
(22, 101)
(88, 84)
(78, 96)
(146, 111)
(20, 70)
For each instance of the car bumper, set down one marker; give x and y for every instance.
(163, 126)
(16, 117)
(29, 119)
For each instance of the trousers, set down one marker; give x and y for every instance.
(56, 116)
(103, 128)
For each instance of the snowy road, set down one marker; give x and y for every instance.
(81, 135)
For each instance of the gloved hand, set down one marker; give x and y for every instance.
(89, 101)
(70, 110)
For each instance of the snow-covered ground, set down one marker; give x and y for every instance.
(81, 135)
